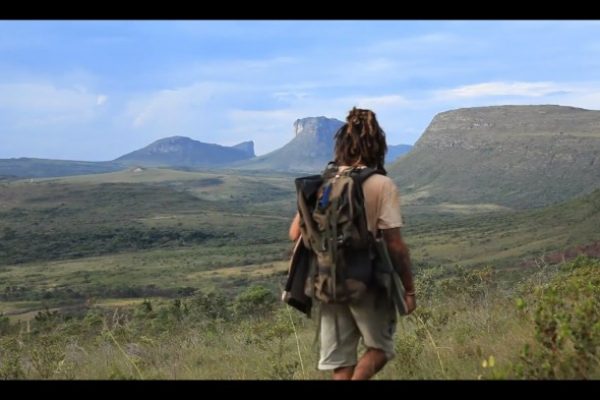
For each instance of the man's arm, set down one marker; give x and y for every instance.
(294, 232)
(400, 257)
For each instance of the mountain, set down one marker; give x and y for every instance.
(179, 151)
(515, 156)
(42, 168)
(246, 147)
(395, 151)
(310, 150)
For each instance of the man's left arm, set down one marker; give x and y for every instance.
(294, 232)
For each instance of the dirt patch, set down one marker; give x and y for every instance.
(590, 250)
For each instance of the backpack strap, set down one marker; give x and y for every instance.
(360, 175)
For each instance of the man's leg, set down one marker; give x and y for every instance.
(375, 317)
(343, 373)
(369, 364)
(339, 340)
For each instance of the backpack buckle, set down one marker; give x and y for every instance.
(323, 244)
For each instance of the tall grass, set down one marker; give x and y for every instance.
(466, 326)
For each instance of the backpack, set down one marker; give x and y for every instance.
(334, 228)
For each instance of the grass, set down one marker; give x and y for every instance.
(501, 238)
(62, 219)
(105, 241)
(459, 323)
(102, 276)
(139, 274)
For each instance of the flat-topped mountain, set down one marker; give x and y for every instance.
(516, 156)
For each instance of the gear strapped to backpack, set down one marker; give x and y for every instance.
(334, 227)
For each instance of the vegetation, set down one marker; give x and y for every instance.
(467, 326)
(51, 220)
(162, 274)
(503, 238)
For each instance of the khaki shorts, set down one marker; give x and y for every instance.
(373, 319)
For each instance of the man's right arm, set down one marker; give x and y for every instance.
(400, 256)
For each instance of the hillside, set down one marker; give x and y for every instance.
(139, 209)
(503, 238)
(515, 156)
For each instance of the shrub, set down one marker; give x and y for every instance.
(567, 325)
(254, 301)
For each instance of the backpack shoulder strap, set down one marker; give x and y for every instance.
(361, 175)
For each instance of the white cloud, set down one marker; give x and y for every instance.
(270, 129)
(488, 89)
(101, 99)
(392, 100)
(290, 95)
(39, 104)
(174, 109)
(576, 94)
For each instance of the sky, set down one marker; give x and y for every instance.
(95, 90)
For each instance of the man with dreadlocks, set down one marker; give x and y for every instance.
(361, 143)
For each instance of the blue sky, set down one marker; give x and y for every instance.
(94, 90)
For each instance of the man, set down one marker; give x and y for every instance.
(361, 142)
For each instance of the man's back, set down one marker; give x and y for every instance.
(382, 202)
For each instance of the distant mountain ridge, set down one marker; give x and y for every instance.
(516, 156)
(180, 151)
(395, 151)
(247, 147)
(25, 167)
(309, 151)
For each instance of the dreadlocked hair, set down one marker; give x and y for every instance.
(360, 140)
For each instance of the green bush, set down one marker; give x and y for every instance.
(254, 301)
(567, 325)
(213, 305)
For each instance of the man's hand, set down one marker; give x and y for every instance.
(411, 303)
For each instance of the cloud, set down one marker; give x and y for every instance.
(273, 128)
(488, 89)
(576, 94)
(270, 129)
(392, 100)
(101, 99)
(37, 104)
(174, 109)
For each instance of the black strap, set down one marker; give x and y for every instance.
(361, 174)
